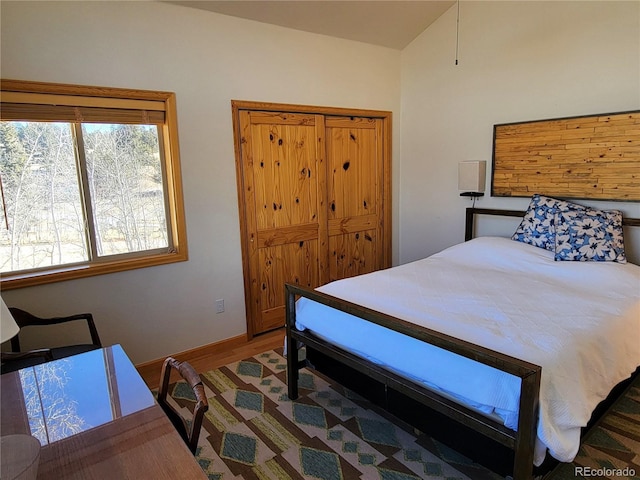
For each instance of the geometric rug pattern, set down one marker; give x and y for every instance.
(253, 431)
(611, 448)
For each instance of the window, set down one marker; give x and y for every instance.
(90, 182)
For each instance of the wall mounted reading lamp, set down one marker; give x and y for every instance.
(471, 178)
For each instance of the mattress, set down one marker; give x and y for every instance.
(579, 321)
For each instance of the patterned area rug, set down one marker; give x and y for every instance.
(611, 449)
(253, 431)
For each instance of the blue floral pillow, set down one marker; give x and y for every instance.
(585, 234)
(538, 224)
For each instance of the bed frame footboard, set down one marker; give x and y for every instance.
(521, 442)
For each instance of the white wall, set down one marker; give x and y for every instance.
(208, 60)
(518, 61)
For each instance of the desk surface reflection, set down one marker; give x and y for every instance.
(95, 418)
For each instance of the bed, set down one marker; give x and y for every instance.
(523, 362)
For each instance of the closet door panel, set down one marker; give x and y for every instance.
(281, 199)
(353, 253)
(292, 262)
(354, 184)
(286, 194)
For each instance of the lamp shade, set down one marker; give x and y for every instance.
(471, 176)
(20, 457)
(8, 326)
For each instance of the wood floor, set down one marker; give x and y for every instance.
(226, 354)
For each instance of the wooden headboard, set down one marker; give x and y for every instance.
(594, 157)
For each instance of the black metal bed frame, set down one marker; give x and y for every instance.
(521, 442)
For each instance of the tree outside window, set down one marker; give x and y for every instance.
(87, 197)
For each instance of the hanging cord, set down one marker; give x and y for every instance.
(457, 29)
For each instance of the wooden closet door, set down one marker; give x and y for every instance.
(355, 184)
(314, 191)
(283, 202)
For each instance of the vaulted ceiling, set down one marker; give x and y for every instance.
(392, 24)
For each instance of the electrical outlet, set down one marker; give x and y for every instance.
(220, 305)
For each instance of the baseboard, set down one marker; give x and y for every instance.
(150, 369)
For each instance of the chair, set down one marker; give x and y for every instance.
(189, 433)
(16, 359)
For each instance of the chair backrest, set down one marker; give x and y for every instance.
(190, 433)
(26, 319)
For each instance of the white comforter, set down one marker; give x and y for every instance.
(580, 321)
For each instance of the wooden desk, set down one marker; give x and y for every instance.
(95, 419)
